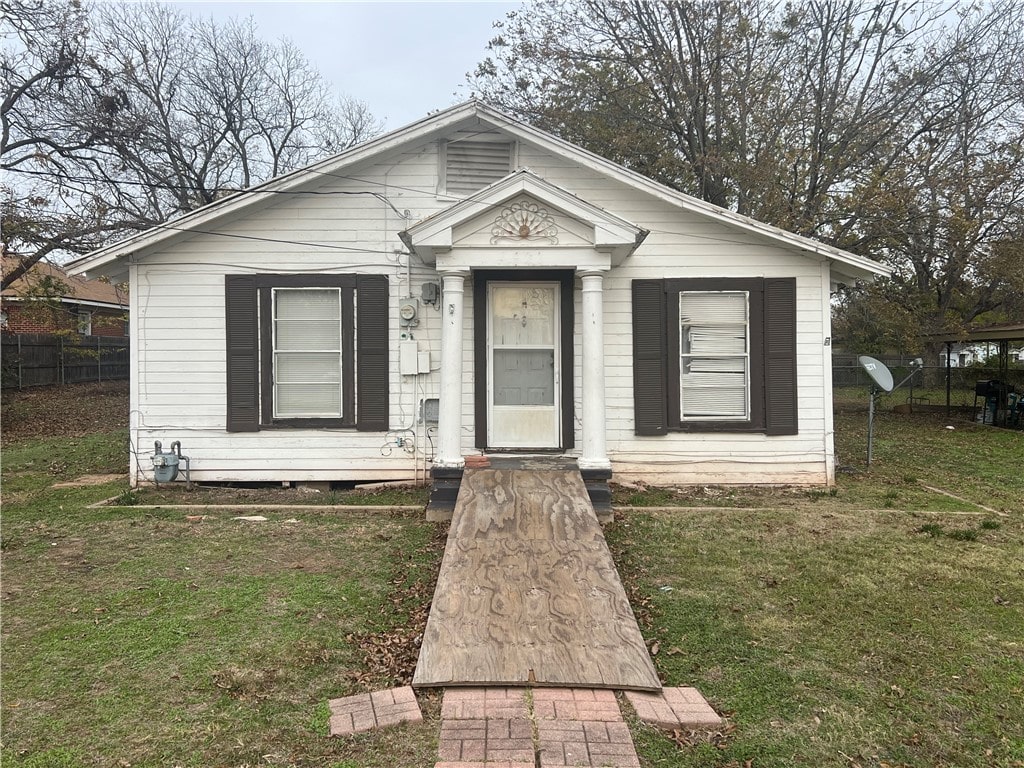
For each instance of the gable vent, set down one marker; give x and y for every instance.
(472, 165)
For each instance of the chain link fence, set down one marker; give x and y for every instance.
(929, 385)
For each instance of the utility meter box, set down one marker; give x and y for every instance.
(408, 313)
(408, 357)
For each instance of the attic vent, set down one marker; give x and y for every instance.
(472, 165)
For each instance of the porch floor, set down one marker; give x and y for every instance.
(528, 593)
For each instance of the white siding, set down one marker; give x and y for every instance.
(178, 386)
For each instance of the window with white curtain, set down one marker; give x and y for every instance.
(714, 355)
(308, 345)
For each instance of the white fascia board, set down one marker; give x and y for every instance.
(860, 267)
(504, 257)
(219, 209)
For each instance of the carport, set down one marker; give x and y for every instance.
(1001, 334)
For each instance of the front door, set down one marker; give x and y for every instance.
(523, 365)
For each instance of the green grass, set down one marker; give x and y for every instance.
(834, 640)
(877, 623)
(138, 637)
(915, 457)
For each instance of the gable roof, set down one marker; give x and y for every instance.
(79, 290)
(844, 264)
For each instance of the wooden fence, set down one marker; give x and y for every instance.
(36, 359)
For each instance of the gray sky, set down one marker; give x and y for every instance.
(404, 59)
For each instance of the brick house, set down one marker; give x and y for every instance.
(48, 300)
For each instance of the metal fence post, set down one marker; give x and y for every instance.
(21, 365)
(60, 360)
(99, 360)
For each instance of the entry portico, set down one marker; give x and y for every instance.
(523, 242)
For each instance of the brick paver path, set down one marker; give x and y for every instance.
(498, 728)
(366, 711)
(528, 728)
(674, 708)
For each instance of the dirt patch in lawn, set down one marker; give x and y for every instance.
(72, 410)
(273, 495)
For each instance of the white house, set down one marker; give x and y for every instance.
(965, 354)
(470, 284)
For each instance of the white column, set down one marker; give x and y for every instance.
(595, 453)
(449, 428)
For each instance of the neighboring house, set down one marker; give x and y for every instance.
(469, 284)
(962, 355)
(48, 300)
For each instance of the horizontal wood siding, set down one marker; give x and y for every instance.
(178, 310)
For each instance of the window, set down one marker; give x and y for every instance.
(84, 319)
(715, 355)
(306, 351)
(307, 357)
(469, 165)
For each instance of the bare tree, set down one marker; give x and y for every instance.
(54, 108)
(125, 116)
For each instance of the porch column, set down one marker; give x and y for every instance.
(449, 428)
(595, 452)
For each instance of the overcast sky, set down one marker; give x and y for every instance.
(404, 59)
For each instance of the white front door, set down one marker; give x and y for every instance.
(522, 365)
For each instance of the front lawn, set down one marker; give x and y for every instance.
(877, 624)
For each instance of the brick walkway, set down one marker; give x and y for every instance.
(675, 708)
(498, 728)
(366, 711)
(528, 728)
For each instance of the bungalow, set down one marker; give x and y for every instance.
(471, 285)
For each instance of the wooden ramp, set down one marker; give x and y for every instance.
(528, 593)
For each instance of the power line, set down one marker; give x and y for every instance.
(233, 192)
(329, 246)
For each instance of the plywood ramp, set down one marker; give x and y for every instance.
(528, 593)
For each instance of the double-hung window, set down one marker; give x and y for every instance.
(307, 356)
(307, 351)
(715, 355)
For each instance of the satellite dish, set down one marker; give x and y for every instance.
(878, 372)
(882, 378)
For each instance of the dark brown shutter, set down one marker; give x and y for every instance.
(650, 358)
(242, 329)
(372, 381)
(780, 356)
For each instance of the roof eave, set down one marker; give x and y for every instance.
(859, 266)
(189, 222)
(845, 265)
